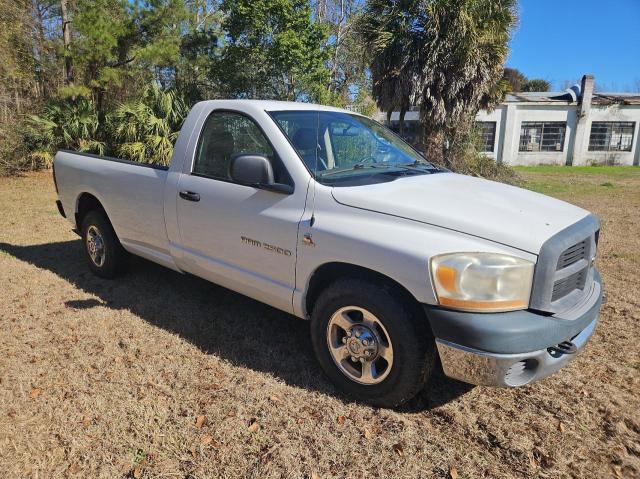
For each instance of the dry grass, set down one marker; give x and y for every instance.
(107, 379)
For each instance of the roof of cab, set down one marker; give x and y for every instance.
(274, 105)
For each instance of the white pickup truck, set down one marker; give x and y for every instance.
(329, 216)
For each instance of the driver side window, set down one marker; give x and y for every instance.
(224, 135)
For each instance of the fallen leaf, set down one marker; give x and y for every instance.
(137, 473)
(315, 475)
(560, 426)
(366, 433)
(453, 473)
(300, 421)
(275, 398)
(254, 426)
(35, 392)
(341, 420)
(200, 421)
(399, 449)
(206, 440)
(86, 421)
(74, 469)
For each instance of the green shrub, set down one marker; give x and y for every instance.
(65, 123)
(146, 129)
(467, 158)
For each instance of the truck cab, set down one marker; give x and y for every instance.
(331, 217)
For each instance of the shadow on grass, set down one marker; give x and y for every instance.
(218, 321)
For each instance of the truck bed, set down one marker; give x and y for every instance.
(132, 194)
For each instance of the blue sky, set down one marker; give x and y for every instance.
(563, 39)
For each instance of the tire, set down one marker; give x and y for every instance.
(114, 260)
(401, 326)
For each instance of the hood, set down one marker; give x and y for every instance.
(505, 214)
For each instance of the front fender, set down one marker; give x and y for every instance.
(395, 247)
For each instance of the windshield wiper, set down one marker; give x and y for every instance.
(422, 166)
(418, 163)
(358, 166)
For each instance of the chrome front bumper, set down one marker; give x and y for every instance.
(506, 370)
(512, 348)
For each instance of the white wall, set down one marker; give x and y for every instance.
(498, 115)
(509, 118)
(613, 113)
(536, 112)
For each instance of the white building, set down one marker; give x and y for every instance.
(575, 127)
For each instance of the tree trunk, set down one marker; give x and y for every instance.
(66, 38)
(433, 141)
(39, 48)
(401, 122)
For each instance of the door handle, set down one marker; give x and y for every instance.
(189, 196)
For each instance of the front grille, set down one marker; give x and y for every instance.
(564, 272)
(563, 287)
(573, 254)
(576, 280)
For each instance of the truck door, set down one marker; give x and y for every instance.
(235, 235)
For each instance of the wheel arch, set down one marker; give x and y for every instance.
(87, 202)
(327, 273)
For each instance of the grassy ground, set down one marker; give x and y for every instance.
(162, 375)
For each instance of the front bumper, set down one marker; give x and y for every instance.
(510, 349)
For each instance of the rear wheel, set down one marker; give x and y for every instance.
(371, 343)
(105, 255)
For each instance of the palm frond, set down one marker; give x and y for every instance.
(147, 128)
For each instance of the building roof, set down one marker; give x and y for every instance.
(539, 96)
(573, 95)
(610, 98)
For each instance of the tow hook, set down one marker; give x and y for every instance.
(565, 347)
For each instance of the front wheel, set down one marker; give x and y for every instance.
(371, 343)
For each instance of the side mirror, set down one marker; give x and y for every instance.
(256, 170)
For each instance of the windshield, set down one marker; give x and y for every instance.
(340, 147)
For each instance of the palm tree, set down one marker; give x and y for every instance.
(465, 46)
(65, 123)
(445, 55)
(146, 129)
(387, 30)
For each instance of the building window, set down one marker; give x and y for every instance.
(611, 136)
(411, 132)
(542, 136)
(487, 132)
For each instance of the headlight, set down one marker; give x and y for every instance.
(482, 281)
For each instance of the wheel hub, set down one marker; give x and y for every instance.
(95, 245)
(362, 343)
